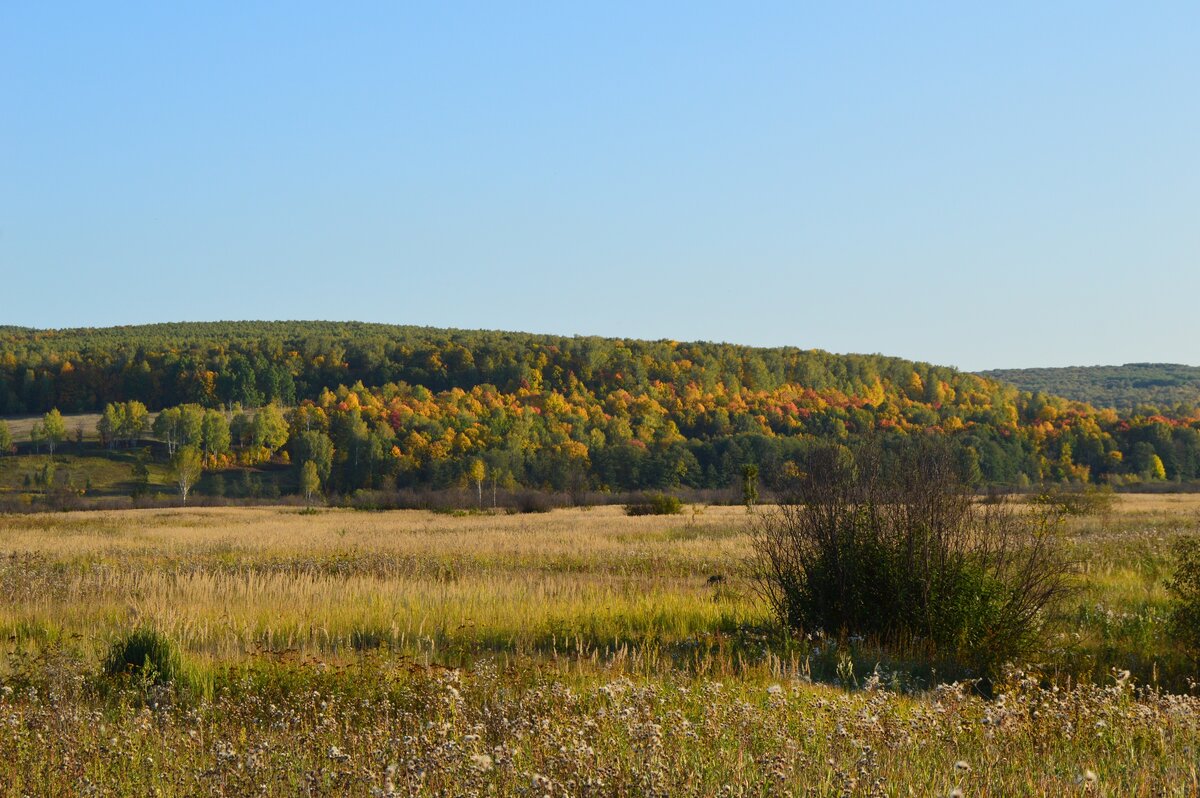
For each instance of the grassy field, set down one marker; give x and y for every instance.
(578, 652)
(22, 426)
(105, 479)
(100, 474)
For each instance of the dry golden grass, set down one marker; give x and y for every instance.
(590, 656)
(596, 536)
(224, 582)
(227, 580)
(21, 426)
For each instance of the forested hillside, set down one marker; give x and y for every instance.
(1160, 386)
(375, 406)
(255, 362)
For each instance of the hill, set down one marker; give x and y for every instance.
(211, 363)
(1162, 386)
(381, 406)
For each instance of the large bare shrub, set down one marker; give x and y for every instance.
(893, 546)
(1185, 594)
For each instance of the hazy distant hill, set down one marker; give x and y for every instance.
(1162, 385)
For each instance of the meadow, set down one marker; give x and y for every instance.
(575, 652)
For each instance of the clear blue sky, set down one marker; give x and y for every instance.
(981, 184)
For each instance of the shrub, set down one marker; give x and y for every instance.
(655, 504)
(1089, 500)
(893, 547)
(532, 501)
(1185, 593)
(145, 654)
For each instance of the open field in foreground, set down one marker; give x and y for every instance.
(579, 652)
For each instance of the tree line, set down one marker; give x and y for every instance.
(253, 363)
(565, 414)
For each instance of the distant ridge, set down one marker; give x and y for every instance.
(1133, 385)
(412, 407)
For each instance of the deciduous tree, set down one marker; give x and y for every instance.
(214, 434)
(168, 428)
(186, 467)
(314, 447)
(123, 421)
(191, 425)
(54, 429)
(134, 422)
(109, 425)
(749, 485)
(477, 472)
(270, 428)
(141, 475)
(310, 481)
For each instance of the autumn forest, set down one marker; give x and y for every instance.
(376, 406)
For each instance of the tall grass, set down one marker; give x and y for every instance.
(589, 649)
